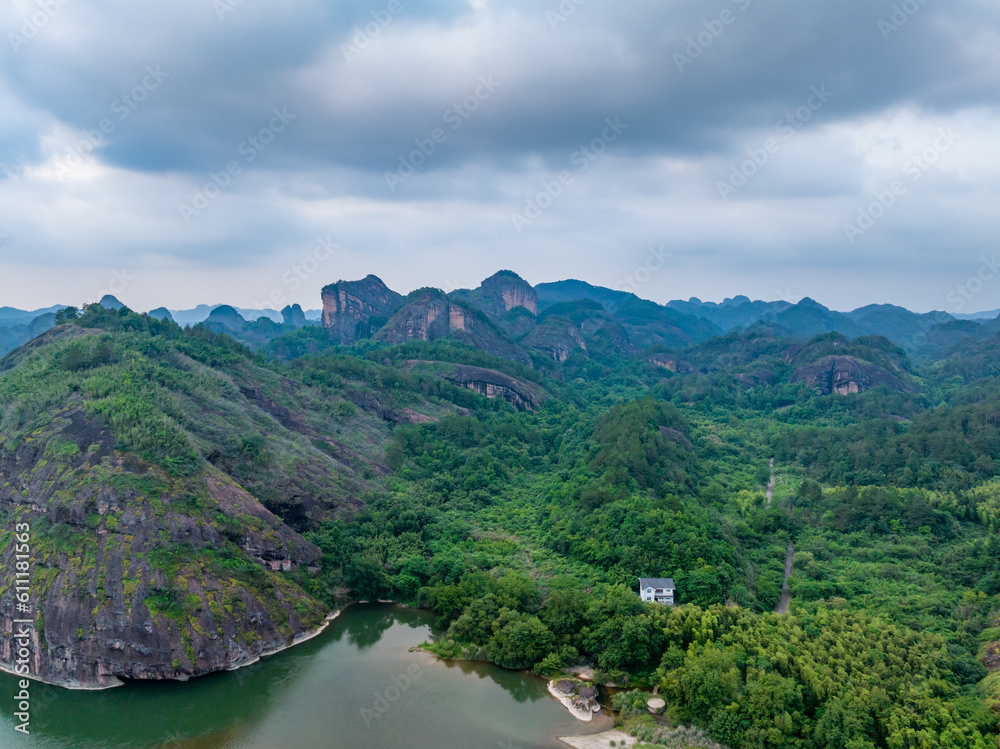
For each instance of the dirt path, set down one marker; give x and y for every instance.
(785, 594)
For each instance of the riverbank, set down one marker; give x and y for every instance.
(298, 640)
(113, 681)
(567, 700)
(605, 740)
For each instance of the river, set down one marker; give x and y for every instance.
(356, 685)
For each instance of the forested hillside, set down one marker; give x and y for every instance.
(174, 476)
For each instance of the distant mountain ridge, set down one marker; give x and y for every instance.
(520, 321)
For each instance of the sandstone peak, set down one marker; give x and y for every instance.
(293, 315)
(501, 293)
(357, 309)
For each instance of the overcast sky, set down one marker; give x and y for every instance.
(252, 151)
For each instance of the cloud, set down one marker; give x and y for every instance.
(702, 87)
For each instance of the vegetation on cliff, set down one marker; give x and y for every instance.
(175, 478)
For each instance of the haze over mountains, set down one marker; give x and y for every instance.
(508, 317)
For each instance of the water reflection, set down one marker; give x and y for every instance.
(313, 696)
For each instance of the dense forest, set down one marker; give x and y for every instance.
(525, 527)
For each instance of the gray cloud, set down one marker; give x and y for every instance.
(701, 86)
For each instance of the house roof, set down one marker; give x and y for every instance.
(656, 582)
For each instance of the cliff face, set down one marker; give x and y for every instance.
(357, 309)
(493, 384)
(166, 505)
(500, 293)
(294, 316)
(556, 338)
(843, 375)
(429, 315)
(138, 575)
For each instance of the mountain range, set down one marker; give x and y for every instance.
(507, 314)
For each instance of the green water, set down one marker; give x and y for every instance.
(346, 688)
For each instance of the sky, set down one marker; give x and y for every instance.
(250, 152)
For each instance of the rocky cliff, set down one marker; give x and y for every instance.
(845, 374)
(429, 315)
(493, 384)
(140, 575)
(501, 293)
(353, 310)
(294, 316)
(166, 496)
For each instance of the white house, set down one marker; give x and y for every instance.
(659, 589)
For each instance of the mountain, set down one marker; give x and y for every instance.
(499, 294)
(10, 316)
(646, 322)
(12, 336)
(194, 505)
(737, 312)
(294, 316)
(353, 310)
(582, 325)
(225, 318)
(202, 312)
(167, 510)
(110, 302)
(992, 314)
(429, 315)
(161, 313)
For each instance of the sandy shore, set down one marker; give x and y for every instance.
(585, 715)
(599, 740)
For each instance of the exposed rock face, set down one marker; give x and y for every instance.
(671, 363)
(556, 337)
(843, 375)
(493, 384)
(500, 293)
(135, 576)
(357, 309)
(429, 315)
(293, 315)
